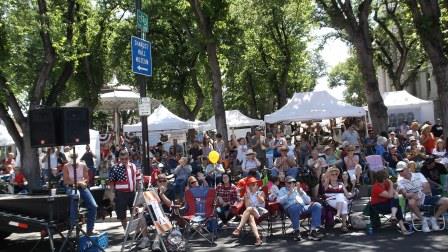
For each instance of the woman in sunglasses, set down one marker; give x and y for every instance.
(336, 195)
(254, 200)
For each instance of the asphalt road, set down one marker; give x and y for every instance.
(386, 239)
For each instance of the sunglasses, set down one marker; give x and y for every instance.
(290, 183)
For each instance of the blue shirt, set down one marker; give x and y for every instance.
(294, 198)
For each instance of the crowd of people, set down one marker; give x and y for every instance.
(306, 172)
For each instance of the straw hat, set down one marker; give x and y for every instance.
(333, 169)
(425, 127)
(250, 152)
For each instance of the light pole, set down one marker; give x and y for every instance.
(141, 82)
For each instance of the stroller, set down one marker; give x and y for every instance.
(168, 238)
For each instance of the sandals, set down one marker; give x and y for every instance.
(236, 232)
(393, 220)
(258, 242)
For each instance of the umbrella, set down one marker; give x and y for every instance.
(119, 99)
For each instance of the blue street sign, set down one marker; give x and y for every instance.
(141, 56)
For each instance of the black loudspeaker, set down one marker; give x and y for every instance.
(73, 126)
(43, 127)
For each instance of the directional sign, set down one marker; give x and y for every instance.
(142, 21)
(141, 56)
(144, 106)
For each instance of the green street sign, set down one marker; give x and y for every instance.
(142, 21)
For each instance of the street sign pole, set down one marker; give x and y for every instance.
(141, 82)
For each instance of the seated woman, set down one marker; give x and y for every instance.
(284, 164)
(316, 165)
(227, 195)
(352, 165)
(384, 200)
(336, 195)
(214, 173)
(254, 200)
(251, 163)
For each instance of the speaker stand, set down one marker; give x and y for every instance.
(77, 227)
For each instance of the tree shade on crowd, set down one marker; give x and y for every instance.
(316, 105)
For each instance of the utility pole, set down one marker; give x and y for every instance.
(141, 82)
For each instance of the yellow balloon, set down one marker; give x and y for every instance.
(213, 156)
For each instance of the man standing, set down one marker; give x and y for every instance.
(88, 159)
(351, 136)
(124, 178)
(258, 144)
(295, 201)
(416, 189)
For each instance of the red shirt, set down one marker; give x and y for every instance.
(19, 179)
(377, 189)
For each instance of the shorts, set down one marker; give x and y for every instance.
(260, 210)
(431, 200)
(123, 202)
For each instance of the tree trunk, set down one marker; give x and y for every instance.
(377, 109)
(283, 84)
(217, 98)
(252, 101)
(206, 30)
(440, 72)
(426, 17)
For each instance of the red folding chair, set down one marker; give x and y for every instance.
(200, 213)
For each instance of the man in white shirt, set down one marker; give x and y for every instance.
(415, 188)
(351, 136)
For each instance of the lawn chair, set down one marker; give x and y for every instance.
(200, 213)
(375, 163)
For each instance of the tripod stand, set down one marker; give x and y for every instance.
(76, 226)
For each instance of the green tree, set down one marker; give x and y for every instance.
(208, 14)
(427, 16)
(351, 19)
(397, 47)
(347, 74)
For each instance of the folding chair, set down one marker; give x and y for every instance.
(427, 210)
(200, 213)
(375, 163)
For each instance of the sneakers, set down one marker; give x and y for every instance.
(434, 225)
(425, 227)
(296, 235)
(144, 243)
(315, 235)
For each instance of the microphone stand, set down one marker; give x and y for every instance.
(78, 229)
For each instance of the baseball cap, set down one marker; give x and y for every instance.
(290, 179)
(401, 166)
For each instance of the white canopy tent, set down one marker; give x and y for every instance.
(5, 138)
(403, 106)
(163, 120)
(235, 119)
(313, 106)
(237, 123)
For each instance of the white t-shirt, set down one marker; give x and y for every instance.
(414, 185)
(241, 152)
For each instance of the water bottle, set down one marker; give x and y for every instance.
(369, 228)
